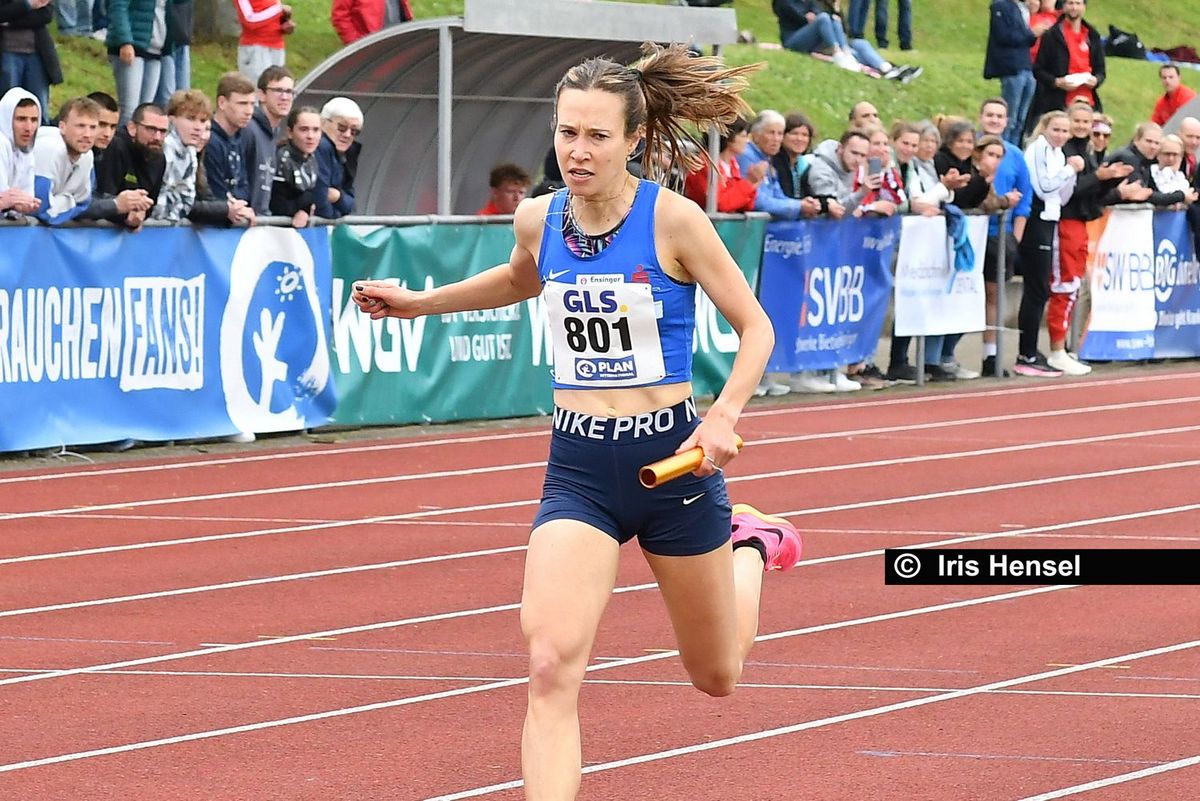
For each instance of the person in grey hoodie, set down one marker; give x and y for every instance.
(276, 91)
(831, 174)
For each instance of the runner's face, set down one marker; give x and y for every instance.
(590, 141)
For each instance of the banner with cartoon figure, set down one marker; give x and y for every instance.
(170, 333)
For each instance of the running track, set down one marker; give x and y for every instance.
(340, 621)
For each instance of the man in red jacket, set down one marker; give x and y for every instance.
(354, 19)
(264, 24)
(1175, 94)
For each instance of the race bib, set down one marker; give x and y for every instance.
(604, 336)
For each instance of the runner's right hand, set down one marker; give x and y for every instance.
(384, 299)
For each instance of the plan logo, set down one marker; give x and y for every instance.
(274, 358)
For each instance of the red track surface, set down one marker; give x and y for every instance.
(145, 610)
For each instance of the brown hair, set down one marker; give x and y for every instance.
(902, 127)
(189, 103)
(234, 83)
(664, 89)
(84, 106)
(504, 173)
(986, 141)
(273, 73)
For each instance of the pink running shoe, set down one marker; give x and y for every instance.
(779, 536)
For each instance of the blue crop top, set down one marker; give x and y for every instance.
(616, 319)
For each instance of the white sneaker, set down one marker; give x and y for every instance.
(842, 383)
(1061, 360)
(241, 436)
(807, 382)
(960, 372)
(846, 61)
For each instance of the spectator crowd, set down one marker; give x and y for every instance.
(1039, 149)
(160, 149)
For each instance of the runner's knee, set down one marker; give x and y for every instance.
(552, 669)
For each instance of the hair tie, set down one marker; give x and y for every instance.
(638, 76)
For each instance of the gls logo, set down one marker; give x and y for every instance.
(577, 300)
(833, 295)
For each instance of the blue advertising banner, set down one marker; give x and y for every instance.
(1145, 287)
(170, 333)
(1176, 287)
(826, 285)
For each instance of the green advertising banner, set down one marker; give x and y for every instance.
(472, 365)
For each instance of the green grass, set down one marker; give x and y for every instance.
(950, 36)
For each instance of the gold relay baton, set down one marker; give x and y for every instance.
(664, 470)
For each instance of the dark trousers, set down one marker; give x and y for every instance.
(1039, 249)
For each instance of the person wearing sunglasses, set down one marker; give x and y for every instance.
(337, 157)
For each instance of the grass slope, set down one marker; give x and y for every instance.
(950, 36)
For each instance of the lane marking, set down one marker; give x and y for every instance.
(858, 432)
(1013, 757)
(454, 510)
(748, 685)
(1121, 779)
(516, 548)
(498, 685)
(221, 648)
(317, 451)
(844, 718)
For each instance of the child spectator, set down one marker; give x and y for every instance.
(337, 157)
(509, 184)
(63, 162)
(264, 24)
(735, 193)
(28, 57)
(296, 167)
(19, 118)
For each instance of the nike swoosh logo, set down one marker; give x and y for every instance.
(555, 275)
(693, 499)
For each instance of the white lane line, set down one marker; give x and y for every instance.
(290, 488)
(509, 607)
(320, 451)
(744, 685)
(223, 648)
(498, 685)
(233, 585)
(297, 520)
(452, 510)
(516, 548)
(990, 393)
(1040, 482)
(970, 421)
(844, 718)
(1120, 779)
(360, 521)
(1013, 757)
(1014, 532)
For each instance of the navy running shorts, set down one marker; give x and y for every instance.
(592, 477)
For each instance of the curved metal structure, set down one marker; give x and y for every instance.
(446, 99)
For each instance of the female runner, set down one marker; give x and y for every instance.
(618, 260)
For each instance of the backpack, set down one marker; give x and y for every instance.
(1123, 44)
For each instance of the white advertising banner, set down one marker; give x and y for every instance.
(932, 297)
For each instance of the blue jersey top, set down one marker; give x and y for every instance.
(616, 319)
